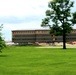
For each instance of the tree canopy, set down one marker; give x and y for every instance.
(59, 18)
(2, 42)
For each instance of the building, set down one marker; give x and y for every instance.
(41, 36)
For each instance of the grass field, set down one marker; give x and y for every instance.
(37, 61)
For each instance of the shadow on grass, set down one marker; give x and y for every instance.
(3, 55)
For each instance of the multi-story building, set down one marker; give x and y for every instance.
(32, 36)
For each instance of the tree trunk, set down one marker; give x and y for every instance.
(64, 36)
(64, 40)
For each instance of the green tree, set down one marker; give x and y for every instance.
(74, 18)
(60, 17)
(2, 42)
(55, 30)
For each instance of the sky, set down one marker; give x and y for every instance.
(22, 15)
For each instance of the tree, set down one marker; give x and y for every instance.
(54, 29)
(74, 18)
(60, 17)
(2, 42)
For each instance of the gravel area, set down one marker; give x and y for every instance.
(68, 46)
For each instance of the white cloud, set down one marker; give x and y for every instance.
(21, 14)
(21, 7)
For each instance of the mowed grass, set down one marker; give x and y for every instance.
(37, 61)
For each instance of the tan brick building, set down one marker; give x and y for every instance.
(32, 36)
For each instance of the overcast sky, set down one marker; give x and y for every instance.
(22, 14)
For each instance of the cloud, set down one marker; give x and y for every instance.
(22, 7)
(17, 20)
(22, 11)
(22, 14)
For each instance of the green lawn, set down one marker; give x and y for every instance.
(37, 61)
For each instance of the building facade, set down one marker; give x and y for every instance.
(41, 36)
